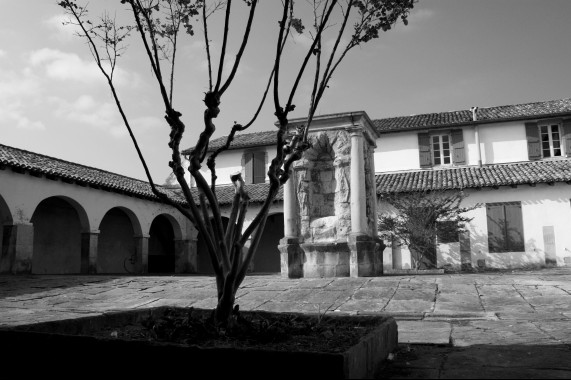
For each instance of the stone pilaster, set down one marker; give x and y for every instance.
(290, 208)
(358, 194)
(142, 253)
(18, 249)
(89, 244)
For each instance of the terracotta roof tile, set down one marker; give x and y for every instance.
(519, 173)
(40, 164)
(242, 140)
(257, 193)
(536, 110)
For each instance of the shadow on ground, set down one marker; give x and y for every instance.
(479, 362)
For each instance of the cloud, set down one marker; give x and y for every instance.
(87, 111)
(65, 66)
(64, 31)
(302, 39)
(2, 53)
(17, 97)
(59, 65)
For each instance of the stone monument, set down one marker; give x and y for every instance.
(330, 202)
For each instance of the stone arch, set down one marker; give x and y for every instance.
(116, 248)
(267, 257)
(163, 232)
(58, 222)
(323, 188)
(203, 257)
(6, 222)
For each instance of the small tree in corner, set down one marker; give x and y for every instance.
(419, 219)
(163, 26)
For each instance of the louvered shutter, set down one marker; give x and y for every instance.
(259, 167)
(567, 137)
(496, 227)
(514, 227)
(248, 167)
(533, 143)
(458, 154)
(424, 150)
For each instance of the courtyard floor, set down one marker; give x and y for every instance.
(479, 325)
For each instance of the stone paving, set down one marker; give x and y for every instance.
(482, 325)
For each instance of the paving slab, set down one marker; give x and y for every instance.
(422, 332)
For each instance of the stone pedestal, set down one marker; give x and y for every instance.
(365, 260)
(292, 258)
(329, 202)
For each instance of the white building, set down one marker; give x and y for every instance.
(512, 160)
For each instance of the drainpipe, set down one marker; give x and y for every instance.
(476, 135)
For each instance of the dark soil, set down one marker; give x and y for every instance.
(261, 330)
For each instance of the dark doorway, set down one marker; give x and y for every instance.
(57, 238)
(204, 263)
(116, 246)
(267, 257)
(161, 246)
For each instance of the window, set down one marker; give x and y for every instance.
(550, 140)
(505, 227)
(255, 167)
(445, 148)
(440, 145)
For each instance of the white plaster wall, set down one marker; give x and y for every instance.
(397, 151)
(23, 193)
(227, 163)
(500, 143)
(230, 162)
(542, 205)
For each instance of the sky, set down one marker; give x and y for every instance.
(454, 54)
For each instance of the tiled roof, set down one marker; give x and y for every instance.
(242, 140)
(257, 193)
(536, 110)
(551, 108)
(19, 159)
(473, 177)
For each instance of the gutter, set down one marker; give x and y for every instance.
(477, 135)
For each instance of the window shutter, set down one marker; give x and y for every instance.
(424, 150)
(259, 167)
(248, 167)
(567, 137)
(458, 154)
(533, 143)
(496, 227)
(514, 228)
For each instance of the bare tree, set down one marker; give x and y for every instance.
(420, 218)
(159, 24)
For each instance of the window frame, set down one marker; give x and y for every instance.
(549, 125)
(441, 149)
(508, 243)
(250, 172)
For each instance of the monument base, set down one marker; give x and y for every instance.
(364, 260)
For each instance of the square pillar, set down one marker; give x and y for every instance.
(142, 253)
(89, 244)
(185, 258)
(17, 249)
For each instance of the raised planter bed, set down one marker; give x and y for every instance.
(412, 271)
(100, 345)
